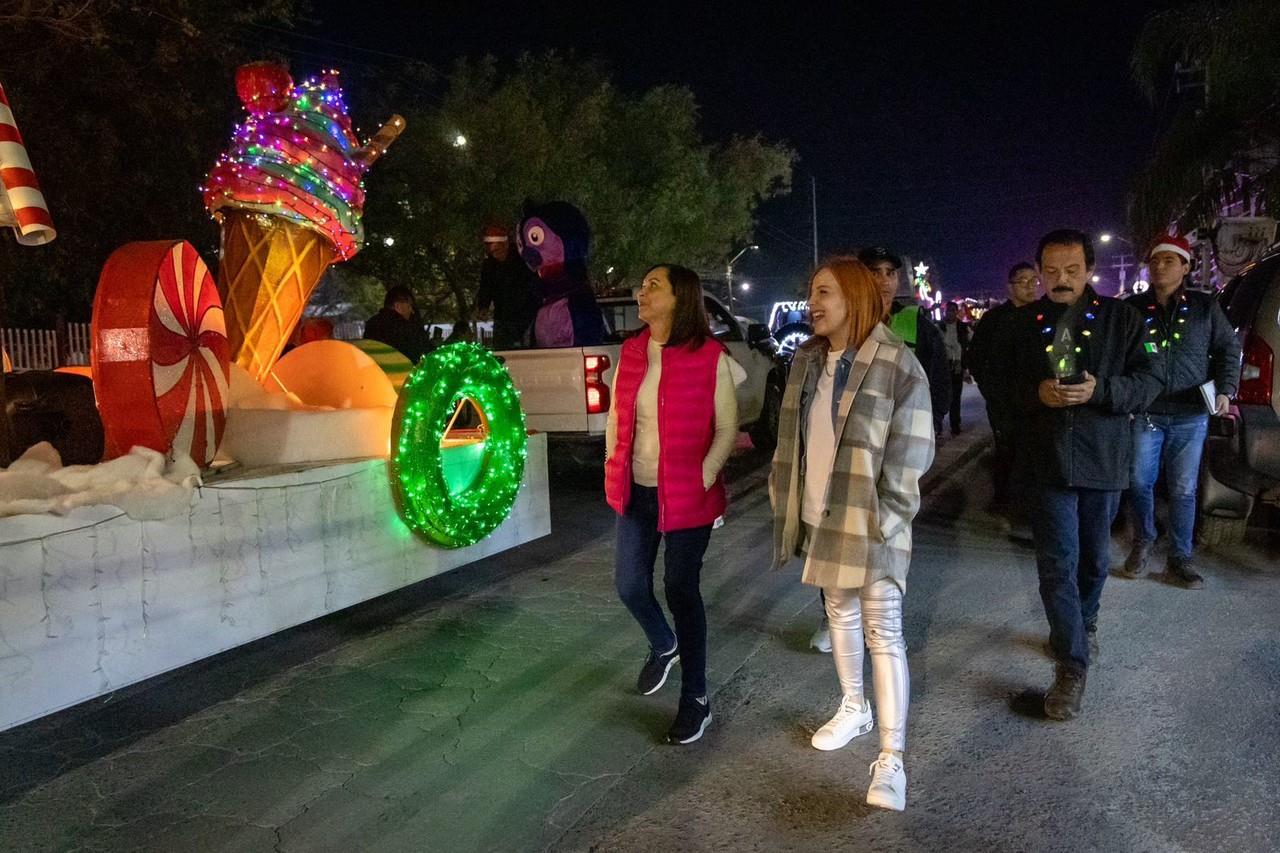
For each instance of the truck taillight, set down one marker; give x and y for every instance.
(1256, 372)
(593, 368)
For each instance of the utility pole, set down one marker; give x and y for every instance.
(728, 270)
(1204, 236)
(813, 196)
(1122, 263)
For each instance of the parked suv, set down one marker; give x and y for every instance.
(1242, 455)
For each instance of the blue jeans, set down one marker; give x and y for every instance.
(1072, 529)
(1176, 442)
(638, 540)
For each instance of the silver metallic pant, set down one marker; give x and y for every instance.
(879, 607)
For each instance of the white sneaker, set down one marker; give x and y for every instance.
(853, 719)
(888, 783)
(821, 639)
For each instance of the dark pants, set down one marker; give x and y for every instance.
(957, 390)
(1008, 473)
(1072, 529)
(638, 539)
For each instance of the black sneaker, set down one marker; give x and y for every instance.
(655, 670)
(1178, 571)
(691, 720)
(1064, 697)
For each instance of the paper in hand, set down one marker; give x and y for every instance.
(1209, 394)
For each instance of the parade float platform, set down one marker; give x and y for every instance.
(93, 601)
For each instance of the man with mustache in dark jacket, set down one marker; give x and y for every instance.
(1082, 371)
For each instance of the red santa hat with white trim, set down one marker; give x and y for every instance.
(1171, 243)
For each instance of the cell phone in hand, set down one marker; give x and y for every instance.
(1073, 379)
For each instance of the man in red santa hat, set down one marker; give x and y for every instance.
(1196, 345)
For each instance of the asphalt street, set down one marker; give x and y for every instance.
(494, 709)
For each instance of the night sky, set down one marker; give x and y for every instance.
(955, 135)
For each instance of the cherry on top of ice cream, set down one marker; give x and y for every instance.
(295, 156)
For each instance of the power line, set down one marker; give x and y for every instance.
(336, 43)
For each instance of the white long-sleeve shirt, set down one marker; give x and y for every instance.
(645, 446)
(819, 444)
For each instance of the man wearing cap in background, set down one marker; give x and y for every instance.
(1196, 342)
(914, 326)
(507, 284)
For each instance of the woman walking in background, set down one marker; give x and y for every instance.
(671, 428)
(855, 437)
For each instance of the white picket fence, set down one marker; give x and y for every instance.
(37, 349)
(348, 330)
(353, 330)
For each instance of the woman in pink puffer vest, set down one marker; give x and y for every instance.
(672, 426)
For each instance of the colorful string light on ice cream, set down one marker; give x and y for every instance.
(430, 501)
(289, 195)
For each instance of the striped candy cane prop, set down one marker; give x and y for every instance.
(22, 205)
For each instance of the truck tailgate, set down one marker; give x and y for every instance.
(552, 387)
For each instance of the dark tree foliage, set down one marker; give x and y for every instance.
(553, 127)
(1213, 70)
(123, 106)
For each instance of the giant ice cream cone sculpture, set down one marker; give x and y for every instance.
(289, 196)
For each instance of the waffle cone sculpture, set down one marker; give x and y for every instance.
(290, 198)
(269, 268)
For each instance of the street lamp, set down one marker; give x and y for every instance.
(728, 270)
(1123, 260)
(459, 141)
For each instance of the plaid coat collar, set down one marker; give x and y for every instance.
(850, 372)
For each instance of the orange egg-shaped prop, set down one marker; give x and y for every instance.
(334, 374)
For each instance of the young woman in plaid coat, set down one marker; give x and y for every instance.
(854, 439)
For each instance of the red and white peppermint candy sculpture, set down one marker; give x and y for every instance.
(161, 362)
(22, 205)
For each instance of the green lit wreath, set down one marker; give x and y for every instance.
(456, 485)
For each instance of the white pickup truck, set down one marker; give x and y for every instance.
(565, 391)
